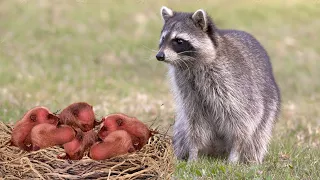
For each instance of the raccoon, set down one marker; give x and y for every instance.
(226, 97)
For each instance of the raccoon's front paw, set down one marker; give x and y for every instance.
(233, 157)
(193, 155)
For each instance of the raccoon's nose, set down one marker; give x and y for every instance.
(160, 56)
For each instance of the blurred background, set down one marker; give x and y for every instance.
(56, 52)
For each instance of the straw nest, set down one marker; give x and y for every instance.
(153, 161)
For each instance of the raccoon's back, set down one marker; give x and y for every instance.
(250, 49)
(256, 57)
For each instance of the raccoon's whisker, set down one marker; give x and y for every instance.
(150, 57)
(184, 63)
(153, 50)
(188, 68)
(177, 63)
(182, 66)
(185, 52)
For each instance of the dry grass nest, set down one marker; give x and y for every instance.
(153, 161)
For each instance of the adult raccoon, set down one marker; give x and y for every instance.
(227, 100)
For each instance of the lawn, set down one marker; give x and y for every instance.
(56, 52)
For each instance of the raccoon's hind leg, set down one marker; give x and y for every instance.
(256, 147)
(259, 145)
(237, 144)
(252, 149)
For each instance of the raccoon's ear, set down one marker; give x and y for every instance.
(166, 13)
(200, 18)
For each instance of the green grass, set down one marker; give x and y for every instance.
(54, 53)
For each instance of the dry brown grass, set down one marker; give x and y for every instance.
(153, 161)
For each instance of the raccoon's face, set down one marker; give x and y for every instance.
(185, 38)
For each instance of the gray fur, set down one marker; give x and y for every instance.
(227, 100)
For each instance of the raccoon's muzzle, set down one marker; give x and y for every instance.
(160, 56)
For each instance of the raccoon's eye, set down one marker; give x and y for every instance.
(178, 41)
